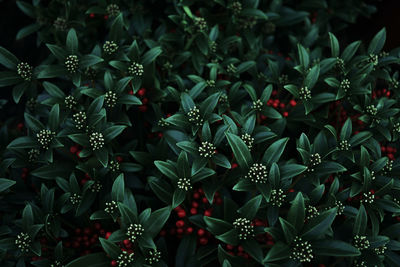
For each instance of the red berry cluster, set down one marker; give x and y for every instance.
(264, 238)
(85, 240)
(389, 151)
(280, 105)
(184, 227)
(237, 251)
(338, 116)
(141, 93)
(381, 93)
(75, 150)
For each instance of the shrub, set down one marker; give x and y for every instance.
(200, 133)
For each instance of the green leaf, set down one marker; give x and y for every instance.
(335, 248)
(52, 71)
(360, 223)
(350, 50)
(27, 8)
(102, 156)
(209, 105)
(27, 217)
(53, 90)
(118, 188)
(186, 102)
(318, 226)
(19, 90)
(54, 117)
(217, 226)
(178, 197)
(72, 41)
(252, 247)
(334, 45)
(27, 30)
(296, 213)
(347, 130)
(312, 76)
(377, 42)
(111, 132)
(110, 248)
(157, 220)
(288, 230)
(245, 66)
(250, 208)
(90, 60)
(240, 151)
(8, 78)
(274, 151)
(279, 251)
(303, 56)
(33, 123)
(151, 55)
(6, 184)
(58, 52)
(7, 59)
(360, 138)
(167, 169)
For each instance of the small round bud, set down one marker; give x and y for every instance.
(96, 187)
(311, 212)
(75, 199)
(33, 155)
(45, 137)
(340, 207)
(200, 23)
(24, 70)
(301, 250)
(125, 259)
(111, 207)
(23, 242)
(305, 93)
(194, 116)
(135, 69)
(344, 145)
(79, 120)
(236, 7)
(110, 47)
(244, 227)
(112, 10)
(70, 102)
(110, 99)
(277, 197)
(248, 140)
(207, 149)
(184, 183)
(134, 231)
(345, 85)
(371, 110)
(361, 242)
(96, 140)
(257, 173)
(72, 63)
(154, 256)
(114, 166)
(60, 24)
(257, 105)
(368, 197)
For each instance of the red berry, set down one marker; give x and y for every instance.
(91, 15)
(229, 247)
(145, 101)
(130, 92)
(181, 214)
(141, 92)
(204, 200)
(196, 195)
(108, 235)
(20, 126)
(73, 149)
(201, 232)
(285, 114)
(193, 211)
(142, 108)
(203, 241)
(180, 223)
(240, 248)
(97, 226)
(119, 158)
(291, 190)
(105, 17)
(207, 213)
(114, 263)
(179, 231)
(195, 204)
(189, 230)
